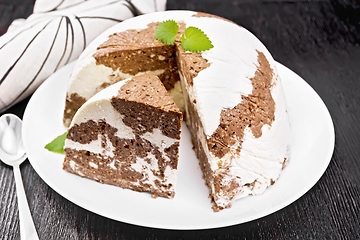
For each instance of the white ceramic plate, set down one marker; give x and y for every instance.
(313, 146)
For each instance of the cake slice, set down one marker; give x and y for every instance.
(127, 135)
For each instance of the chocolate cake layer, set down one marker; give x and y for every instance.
(190, 63)
(154, 111)
(256, 110)
(72, 104)
(134, 52)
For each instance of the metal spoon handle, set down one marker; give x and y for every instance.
(27, 227)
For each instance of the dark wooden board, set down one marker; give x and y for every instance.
(319, 40)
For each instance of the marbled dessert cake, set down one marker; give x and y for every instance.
(231, 95)
(127, 135)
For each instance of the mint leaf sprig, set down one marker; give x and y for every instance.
(193, 40)
(57, 145)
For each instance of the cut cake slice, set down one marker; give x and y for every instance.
(128, 137)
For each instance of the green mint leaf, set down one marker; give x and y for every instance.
(195, 40)
(57, 145)
(166, 31)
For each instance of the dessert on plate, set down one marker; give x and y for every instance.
(231, 96)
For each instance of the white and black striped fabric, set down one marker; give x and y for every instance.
(54, 35)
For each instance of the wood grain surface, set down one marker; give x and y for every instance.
(319, 40)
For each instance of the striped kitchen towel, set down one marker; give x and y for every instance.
(54, 35)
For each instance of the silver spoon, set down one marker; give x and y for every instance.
(12, 152)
